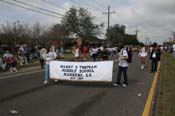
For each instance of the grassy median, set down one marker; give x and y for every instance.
(165, 105)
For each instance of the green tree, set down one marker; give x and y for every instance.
(118, 36)
(131, 40)
(80, 22)
(117, 33)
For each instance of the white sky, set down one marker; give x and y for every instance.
(155, 19)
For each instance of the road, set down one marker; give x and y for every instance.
(26, 94)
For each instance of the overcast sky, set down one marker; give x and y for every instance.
(155, 19)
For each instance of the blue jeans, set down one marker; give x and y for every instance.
(174, 54)
(124, 71)
(154, 63)
(47, 76)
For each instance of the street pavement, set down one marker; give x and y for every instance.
(24, 94)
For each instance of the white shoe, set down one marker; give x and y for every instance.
(142, 67)
(116, 85)
(124, 85)
(45, 82)
(56, 80)
(14, 70)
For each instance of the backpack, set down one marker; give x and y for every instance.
(129, 60)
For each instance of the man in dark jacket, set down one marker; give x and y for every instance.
(155, 57)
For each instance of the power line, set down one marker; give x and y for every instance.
(83, 4)
(90, 6)
(100, 4)
(76, 2)
(56, 1)
(38, 7)
(29, 9)
(53, 4)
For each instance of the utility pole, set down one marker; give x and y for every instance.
(15, 29)
(108, 32)
(173, 36)
(146, 41)
(137, 31)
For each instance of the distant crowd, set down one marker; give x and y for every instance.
(25, 55)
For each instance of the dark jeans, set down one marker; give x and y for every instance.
(124, 71)
(94, 56)
(42, 63)
(154, 63)
(13, 64)
(27, 55)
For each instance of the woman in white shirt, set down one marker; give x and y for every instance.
(49, 56)
(143, 55)
(77, 54)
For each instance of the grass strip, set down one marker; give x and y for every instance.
(166, 91)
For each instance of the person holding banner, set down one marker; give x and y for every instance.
(123, 66)
(50, 55)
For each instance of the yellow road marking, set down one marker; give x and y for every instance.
(151, 93)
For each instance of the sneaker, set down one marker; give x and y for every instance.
(56, 80)
(45, 82)
(124, 85)
(14, 70)
(142, 67)
(116, 85)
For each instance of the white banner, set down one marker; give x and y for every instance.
(81, 71)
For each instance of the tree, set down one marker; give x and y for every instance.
(59, 32)
(131, 40)
(37, 31)
(80, 22)
(118, 36)
(17, 33)
(7, 35)
(117, 33)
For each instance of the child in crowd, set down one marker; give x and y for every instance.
(2, 66)
(13, 64)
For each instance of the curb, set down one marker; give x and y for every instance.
(147, 108)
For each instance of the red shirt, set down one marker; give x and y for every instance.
(84, 50)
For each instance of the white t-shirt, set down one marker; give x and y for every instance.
(94, 50)
(173, 47)
(77, 53)
(50, 56)
(7, 55)
(101, 48)
(42, 53)
(123, 53)
(143, 52)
